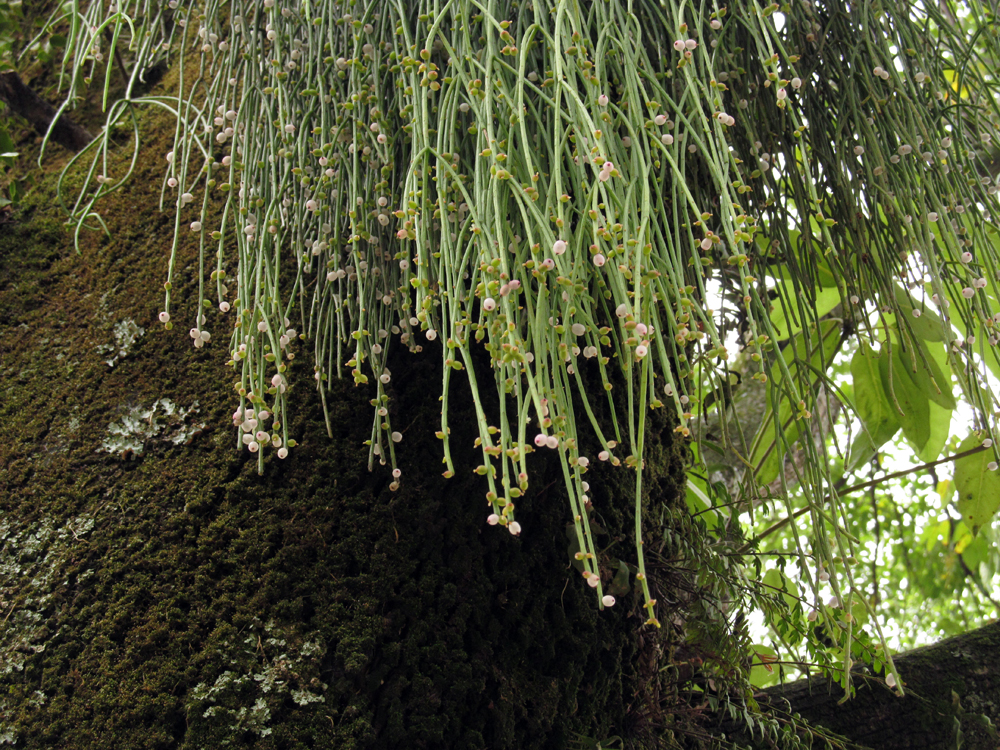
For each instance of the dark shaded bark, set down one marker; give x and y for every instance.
(952, 699)
(24, 102)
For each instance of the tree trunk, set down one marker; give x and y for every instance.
(952, 699)
(156, 592)
(39, 113)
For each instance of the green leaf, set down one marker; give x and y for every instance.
(6, 143)
(809, 262)
(806, 350)
(698, 501)
(785, 317)
(978, 487)
(913, 404)
(878, 414)
(940, 423)
(928, 325)
(926, 373)
(779, 582)
(939, 532)
(872, 404)
(762, 673)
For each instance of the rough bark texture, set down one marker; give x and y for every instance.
(952, 699)
(156, 593)
(39, 113)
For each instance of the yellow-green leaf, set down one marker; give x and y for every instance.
(913, 404)
(978, 486)
(786, 318)
(872, 404)
(939, 421)
(780, 583)
(927, 325)
(813, 353)
(762, 670)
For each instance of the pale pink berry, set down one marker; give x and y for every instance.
(599, 260)
(608, 600)
(493, 519)
(282, 452)
(514, 528)
(603, 100)
(489, 304)
(539, 440)
(164, 317)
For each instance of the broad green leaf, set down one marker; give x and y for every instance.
(698, 501)
(805, 347)
(785, 317)
(880, 417)
(780, 583)
(913, 404)
(762, 671)
(940, 423)
(976, 552)
(822, 275)
(872, 404)
(945, 488)
(923, 368)
(939, 532)
(928, 325)
(860, 613)
(978, 486)
(767, 458)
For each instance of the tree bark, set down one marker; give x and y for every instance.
(952, 699)
(39, 113)
(156, 592)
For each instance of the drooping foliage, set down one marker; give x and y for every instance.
(704, 204)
